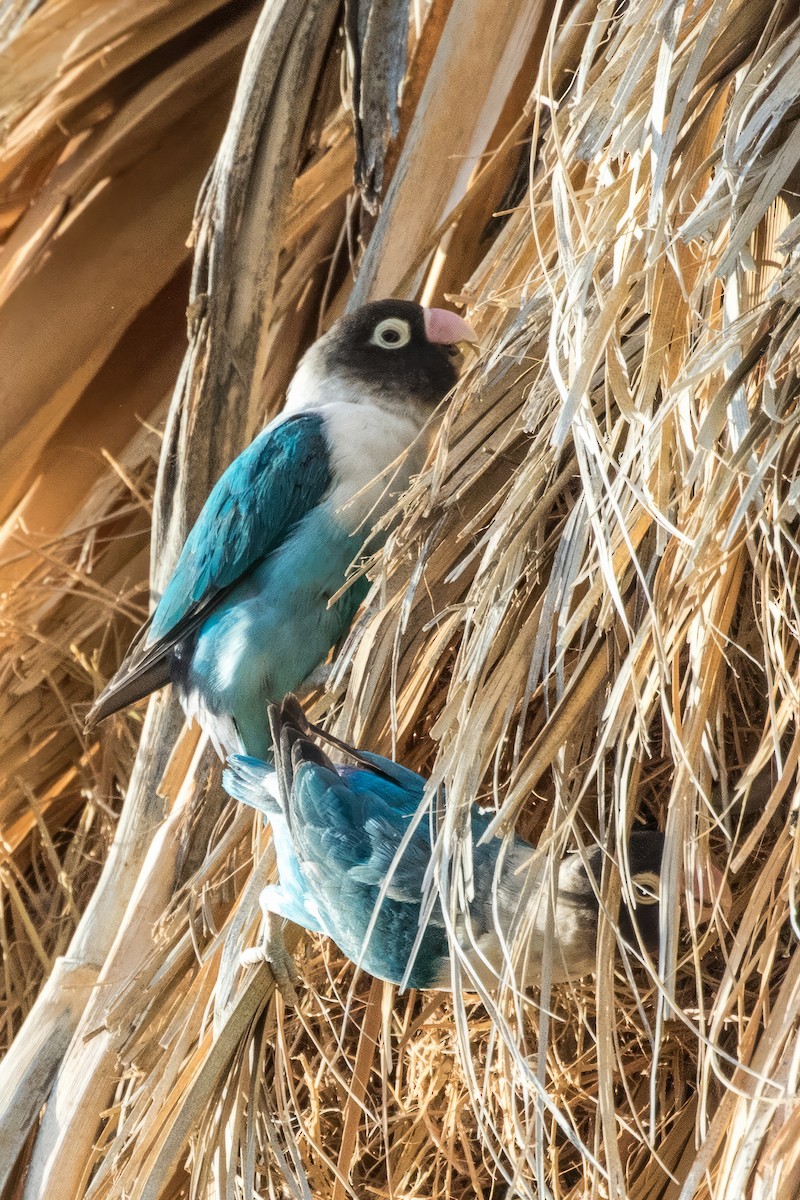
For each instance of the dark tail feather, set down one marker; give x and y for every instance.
(292, 730)
(126, 689)
(291, 739)
(247, 780)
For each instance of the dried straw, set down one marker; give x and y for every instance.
(586, 614)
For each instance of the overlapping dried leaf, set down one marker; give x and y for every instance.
(587, 616)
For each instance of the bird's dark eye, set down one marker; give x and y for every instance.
(391, 334)
(646, 887)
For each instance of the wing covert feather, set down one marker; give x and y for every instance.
(281, 476)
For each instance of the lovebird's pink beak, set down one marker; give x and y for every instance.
(711, 892)
(445, 328)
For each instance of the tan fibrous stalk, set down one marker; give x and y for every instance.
(585, 616)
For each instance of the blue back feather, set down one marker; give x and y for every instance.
(346, 824)
(279, 478)
(338, 830)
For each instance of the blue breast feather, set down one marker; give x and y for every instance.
(262, 495)
(344, 827)
(270, 630)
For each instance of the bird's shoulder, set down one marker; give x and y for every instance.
(274, 482)
(289, 439)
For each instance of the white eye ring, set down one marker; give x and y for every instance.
(391, 334)
(646, 887)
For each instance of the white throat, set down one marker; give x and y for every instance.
(367, 431)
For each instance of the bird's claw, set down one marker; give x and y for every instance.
(271, 949)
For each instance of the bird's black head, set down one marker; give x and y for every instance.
(645, 850)
(396, 350)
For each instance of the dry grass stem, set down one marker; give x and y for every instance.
(586, 614)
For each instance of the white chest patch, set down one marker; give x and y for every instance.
(524, 925)
(366, 434)
(365, 441)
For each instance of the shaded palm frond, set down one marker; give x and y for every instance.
(585, 614)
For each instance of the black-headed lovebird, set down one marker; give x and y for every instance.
(245, 617)
(337, 829)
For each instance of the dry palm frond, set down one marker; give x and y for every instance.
(586, 613)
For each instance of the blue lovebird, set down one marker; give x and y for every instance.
(336, 832)
(246, 617)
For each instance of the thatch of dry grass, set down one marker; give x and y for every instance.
(586, 615)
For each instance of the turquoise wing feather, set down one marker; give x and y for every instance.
(253, 507)
(271, 486)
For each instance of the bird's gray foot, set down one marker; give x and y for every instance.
(271, 949)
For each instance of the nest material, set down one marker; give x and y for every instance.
(586, 614)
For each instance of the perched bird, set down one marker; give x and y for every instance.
(336, 832)
(245, 617)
